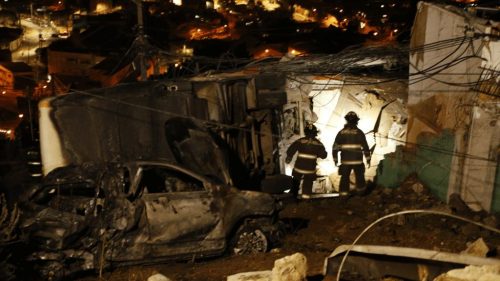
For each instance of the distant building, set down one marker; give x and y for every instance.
(15, 78)
(8, 19)
(111, 71)
(10, 38)
(80, 55)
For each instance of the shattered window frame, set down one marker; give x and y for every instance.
(82, 189)
(161, 177)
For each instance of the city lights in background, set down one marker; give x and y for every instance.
(5, 131)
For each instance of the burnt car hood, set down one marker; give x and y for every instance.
(53, 229)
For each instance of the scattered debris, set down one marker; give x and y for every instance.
(289, 268)
(9, 218)
(251, 276)
(158, 277)
(373, 262)
(472, 273)
(477, 248)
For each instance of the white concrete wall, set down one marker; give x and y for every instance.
(449, 52)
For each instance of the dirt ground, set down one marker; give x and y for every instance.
(316, 227)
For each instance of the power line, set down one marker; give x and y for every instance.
(238, 128)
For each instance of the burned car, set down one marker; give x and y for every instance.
(96, 216)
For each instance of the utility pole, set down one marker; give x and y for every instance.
(141, 39)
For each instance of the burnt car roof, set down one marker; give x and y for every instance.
(92, 171)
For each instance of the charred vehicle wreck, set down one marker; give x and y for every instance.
(146, 172)
(95, 216)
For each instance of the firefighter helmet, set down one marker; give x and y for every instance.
(310, 130)
(351, 117)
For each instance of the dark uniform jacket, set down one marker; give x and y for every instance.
(309, 149)
(351, 142)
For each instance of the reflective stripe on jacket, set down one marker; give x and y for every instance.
(309, 149)
(351, 143)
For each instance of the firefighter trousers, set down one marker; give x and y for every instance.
(307, 182)
(345, 173)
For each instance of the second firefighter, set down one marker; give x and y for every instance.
(352, 145)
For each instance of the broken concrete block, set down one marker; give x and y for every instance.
(418, 187)
(158, 277)
(290, 268)
(472, 273)
(477, 248)
(251, 276)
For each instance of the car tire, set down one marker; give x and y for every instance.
(249, 239)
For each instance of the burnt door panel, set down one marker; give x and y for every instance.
(178, 208)
(180, 217)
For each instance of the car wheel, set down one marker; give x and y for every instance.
(249, 240)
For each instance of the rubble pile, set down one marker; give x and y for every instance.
(319, 226)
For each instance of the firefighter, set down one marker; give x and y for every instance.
(351, 143)
(309, 148)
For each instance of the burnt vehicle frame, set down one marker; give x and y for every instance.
(94, 216)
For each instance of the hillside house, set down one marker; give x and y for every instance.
(453, 135)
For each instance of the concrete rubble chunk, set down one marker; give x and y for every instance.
(477, 248)
(472, 273)
(289, 268)
(418, 188)
(158, 277)
(251, 276)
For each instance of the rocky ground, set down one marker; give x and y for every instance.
(316, 227)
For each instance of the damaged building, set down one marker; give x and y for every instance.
(325, 100)
(453, 135)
